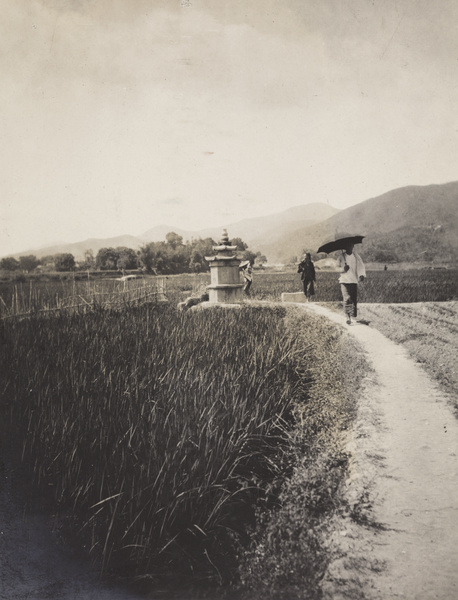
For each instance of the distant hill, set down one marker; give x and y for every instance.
(263, 231)
(255, 232)
(405, 222)
(410, 223)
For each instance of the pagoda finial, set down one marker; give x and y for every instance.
(225, 238)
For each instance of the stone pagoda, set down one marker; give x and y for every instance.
(225, 286)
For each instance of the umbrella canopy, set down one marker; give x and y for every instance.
(339, 241)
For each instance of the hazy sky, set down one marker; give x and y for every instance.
(118, 115)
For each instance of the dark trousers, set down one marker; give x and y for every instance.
(350, 298)
(309, 288)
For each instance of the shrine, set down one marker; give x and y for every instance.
(225, 286)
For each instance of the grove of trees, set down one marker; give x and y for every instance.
(120, 258)
(175, 256)
(28, 263)
(170, 256)
(64, 262)
(9, 264)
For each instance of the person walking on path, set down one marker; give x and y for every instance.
(308, 277)
(353, 272)
(247, 271)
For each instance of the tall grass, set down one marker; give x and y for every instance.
(292, 544)
(160, 431)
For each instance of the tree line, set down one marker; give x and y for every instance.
(163, 258)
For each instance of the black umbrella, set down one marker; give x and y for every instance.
(339, 241)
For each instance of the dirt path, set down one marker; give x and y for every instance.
(403, 483)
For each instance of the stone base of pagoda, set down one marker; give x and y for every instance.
(225, 293)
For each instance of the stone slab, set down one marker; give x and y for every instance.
(293, 297)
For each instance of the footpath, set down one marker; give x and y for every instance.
(403, 483)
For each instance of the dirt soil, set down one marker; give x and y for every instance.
(401, 539)
(398, 538)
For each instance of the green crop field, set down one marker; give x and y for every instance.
(51, 295)
(163, 434)
(393, 286)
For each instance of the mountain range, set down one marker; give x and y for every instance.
(406, 224)
(411, 223)
(253, 231)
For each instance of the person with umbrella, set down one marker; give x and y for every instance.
(307, 270)
(352, 268)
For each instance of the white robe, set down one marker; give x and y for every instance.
(356, 265)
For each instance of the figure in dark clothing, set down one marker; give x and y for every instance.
(308, 277)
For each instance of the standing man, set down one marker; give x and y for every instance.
(308, 277)
(353, 271)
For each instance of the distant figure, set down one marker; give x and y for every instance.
(353, 271)
(385, 268)
(308, 277)
(247, 271)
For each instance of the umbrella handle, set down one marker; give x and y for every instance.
(345, 261)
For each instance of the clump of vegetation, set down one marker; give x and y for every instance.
(289, 553)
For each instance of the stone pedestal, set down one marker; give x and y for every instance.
(225, 286)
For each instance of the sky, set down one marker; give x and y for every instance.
(119, 115)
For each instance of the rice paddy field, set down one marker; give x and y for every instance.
(203, 446)
(392, 286)
(58, 293)
(165, 440)
(65, 293)
(429, 332)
